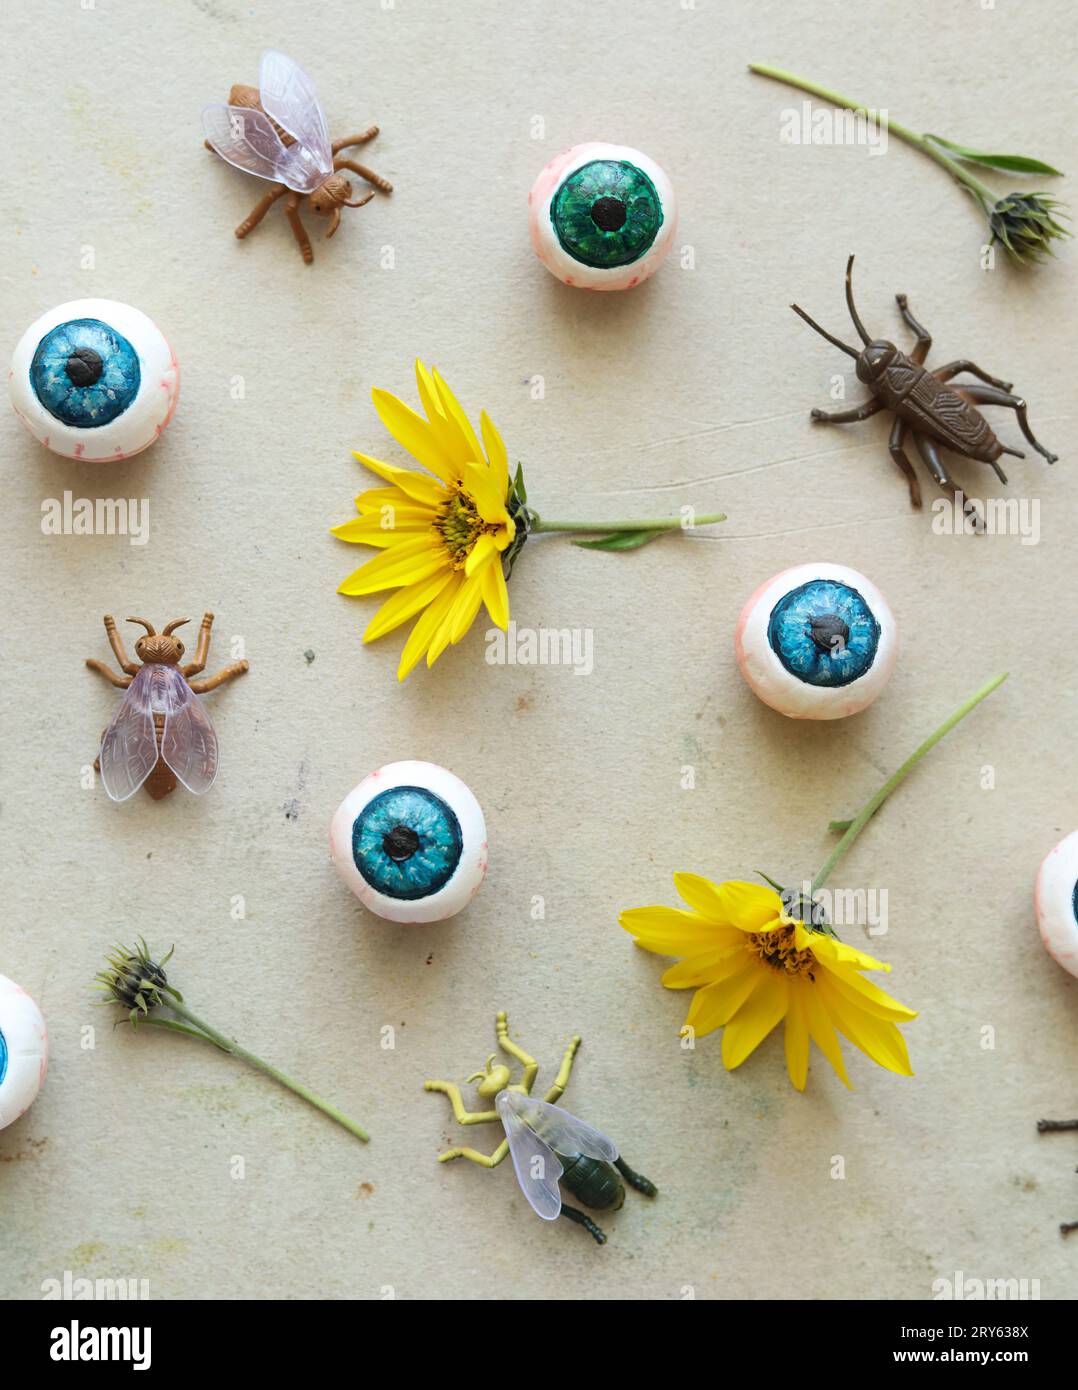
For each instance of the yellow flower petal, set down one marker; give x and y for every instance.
(428, 623)
(496, 594)
(451, 407)
(833, 952)
(670, 931)
(490, 502)
(417, 486)
(797, 1037)
(404, 604)
(750, 906)
(878, 1040)
(822, 1031)
(714, 1005)
(702, 896)
(497, 454)
(765, 1007)
(483, 550)
(708, 969)
(378, 499)
(868, 996)
(404, 563)
(466, 607)
(413, 433)
(369, 530)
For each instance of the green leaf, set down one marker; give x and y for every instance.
(175, 1027)
(622, 540)
(839, 827)
(1010, 163)
(518, 484)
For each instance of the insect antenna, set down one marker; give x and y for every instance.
(171, 627)
(849, 301)
(148, 626)
(823, 332)
(358, 202)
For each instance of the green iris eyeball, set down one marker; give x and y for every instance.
(602, 217)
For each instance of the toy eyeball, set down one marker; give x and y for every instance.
(817, 642)
(94, 380)
(1055, 901)
(411, 842)
(602, 217)
(23, 1051)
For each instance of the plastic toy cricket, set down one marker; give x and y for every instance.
(924, 405)
(547, 1144)
(161, 734)
(279, 132)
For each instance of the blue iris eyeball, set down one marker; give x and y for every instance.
(24, 1051)
(95, 380)
(411, 842)
(818, 641)
(1055, 901)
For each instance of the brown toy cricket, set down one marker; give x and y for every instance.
(161, 734)
(279, 132)
(933, 412)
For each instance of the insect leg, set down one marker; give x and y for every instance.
(963, 364)
(484, 1160)
(847, 417)
(927, 449)
(562, 1078)
(116, 643)
(255, 216)
(992, 395)
(364, 173)
(361, 139)
(121, 682)
(924, 338)
(230, 672)
(505, 1042)
(637, 1180)
(202, 650)
(898, 453)
(291, 211)
(589, 1225)
(463, 1116)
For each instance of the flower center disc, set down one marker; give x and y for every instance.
(778, 949)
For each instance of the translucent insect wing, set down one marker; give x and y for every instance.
(129, 748)
(537, 1168)
(189, 741)
(564, 1133)
(288, 95)
(246, 138)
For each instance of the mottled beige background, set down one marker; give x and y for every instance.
(693, 389)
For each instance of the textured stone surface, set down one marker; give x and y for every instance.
(694, 388)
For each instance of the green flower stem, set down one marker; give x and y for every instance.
(595, 528)
(921, 142)
(869, 810)
(233, 1048)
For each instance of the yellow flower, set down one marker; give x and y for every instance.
(443, 533)
(753, 966)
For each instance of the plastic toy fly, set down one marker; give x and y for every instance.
(279, 132)
(548, 1145)
(161, 735)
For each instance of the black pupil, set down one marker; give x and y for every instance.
(608, 214)
(826, 629)
(400, 843)
(83, 367)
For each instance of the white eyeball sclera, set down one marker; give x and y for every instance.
(94, 379)
(1055, 901)
(602, 217)
(23, 1051)
(411, 842)
(818, 641)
